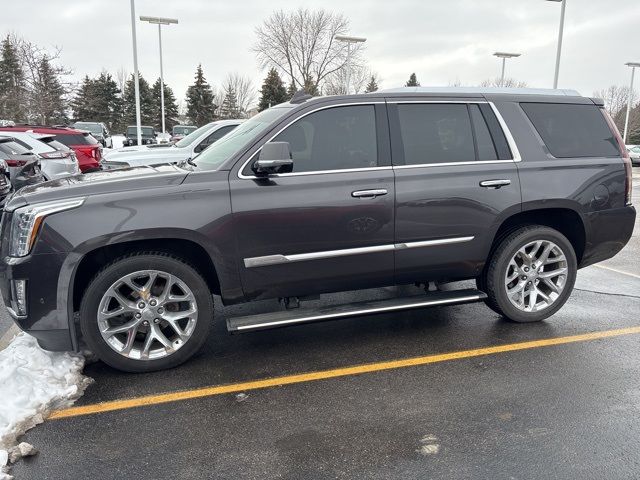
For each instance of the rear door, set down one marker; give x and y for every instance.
(456, 179)
(328, 225)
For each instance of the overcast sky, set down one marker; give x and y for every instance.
(442, 41)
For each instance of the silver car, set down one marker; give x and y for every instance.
(156, 154)
(56, 159)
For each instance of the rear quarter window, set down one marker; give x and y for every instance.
(572, 130)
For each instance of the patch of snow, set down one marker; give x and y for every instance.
(33, 382)
(429, 445)
(117, 141)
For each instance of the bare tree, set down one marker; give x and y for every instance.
(301, 45)
(122, 75)
(507, 83)
(336, 83)
(244, 90)
(615, 98)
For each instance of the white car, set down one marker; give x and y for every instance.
(182, 150)
(56, 159)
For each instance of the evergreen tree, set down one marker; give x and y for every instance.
(291, 90)
(229, 107)
(13, 88)
(413, 81)
(200, 106)
(273, 91)
(129, 100)
(47, 97)
(99, 100)
(372, 86)
(311, 87)
(170, 107)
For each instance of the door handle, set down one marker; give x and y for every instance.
(369, 193)
(495, 183)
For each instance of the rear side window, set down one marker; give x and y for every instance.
(56, 145)
(572, 131)
(486, 147)
(76, 139)
(436, 133)
(12, 148)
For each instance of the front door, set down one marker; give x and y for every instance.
(328, 225)
(456, 180)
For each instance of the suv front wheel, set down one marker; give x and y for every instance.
(146, 312)
(530, 275)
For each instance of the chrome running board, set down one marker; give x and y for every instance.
(283, 318)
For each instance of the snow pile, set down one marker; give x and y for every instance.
(32, 383)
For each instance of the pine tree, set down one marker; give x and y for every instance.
(99, 100)
(82, 102)
(372, 86)
(413, 81)
(291, 90)
(200, 107)
(129, 100)
(47, 97)
(311, 87)
(229, 107)
(13, 88)
(273, 91)
(170, 107)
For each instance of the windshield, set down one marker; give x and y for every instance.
(190, 138)
(183, 130)
(133, 131)
(241, 136)
(91, 127)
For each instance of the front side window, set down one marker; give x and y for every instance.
(436, 133)
(333, 139)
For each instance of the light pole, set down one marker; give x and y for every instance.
(504, 56)
(560, 33)
(160, 21)
(633, 66)
(349, 41)
(135, 69)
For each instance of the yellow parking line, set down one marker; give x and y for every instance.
(334, 373)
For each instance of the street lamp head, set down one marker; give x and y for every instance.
(159, 20)
(632, 64)
(557, 1)
(506, 55)
(345, 38)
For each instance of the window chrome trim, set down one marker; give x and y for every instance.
(315, 172)
(399, 101)
(507, 133)
(279, 259)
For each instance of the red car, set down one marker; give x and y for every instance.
(87, 148)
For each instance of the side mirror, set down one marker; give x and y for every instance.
(275, 157)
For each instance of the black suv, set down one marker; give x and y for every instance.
(147, 135)
(514, 188)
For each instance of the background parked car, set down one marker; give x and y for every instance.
(163, 138)
(634, 154)
(148, 135)
(99, 131)
(188, 147)
(87, 149)
(56, 159)
(178, 132)
(24, 165)
(5, 183)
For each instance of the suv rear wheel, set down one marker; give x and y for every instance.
(146, 312)
(530, 275)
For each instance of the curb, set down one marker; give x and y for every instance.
(8, 336)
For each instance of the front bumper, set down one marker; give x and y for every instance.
(47, 317)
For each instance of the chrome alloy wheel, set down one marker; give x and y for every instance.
(536, 276)
(147, 315)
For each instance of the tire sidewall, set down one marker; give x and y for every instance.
(117, 270)
(513, 244)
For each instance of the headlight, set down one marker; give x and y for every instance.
(26, 223)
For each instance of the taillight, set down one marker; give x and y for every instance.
(16, 163)
(55, 155)
(624, 153)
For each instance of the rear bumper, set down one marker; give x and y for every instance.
(47, 317)
(608, 231)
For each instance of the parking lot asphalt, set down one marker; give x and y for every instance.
(569, 410)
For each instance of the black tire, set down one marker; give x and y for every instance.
(130, 264)
(492, 279)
